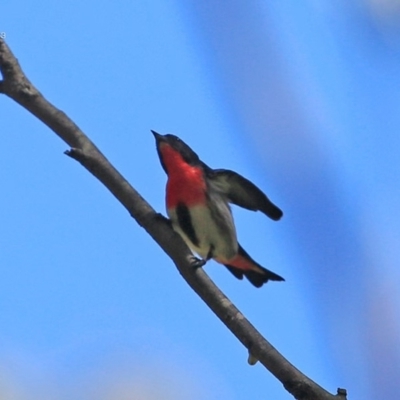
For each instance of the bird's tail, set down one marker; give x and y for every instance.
(243, 264)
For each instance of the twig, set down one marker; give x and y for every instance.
(17, 86)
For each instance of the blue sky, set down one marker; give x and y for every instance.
(301, 100)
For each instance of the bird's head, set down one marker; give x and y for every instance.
(173, 150)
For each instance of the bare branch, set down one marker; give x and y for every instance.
(17, 86)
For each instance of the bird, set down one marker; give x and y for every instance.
(197, 203)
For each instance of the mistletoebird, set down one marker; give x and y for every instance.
(197, 200)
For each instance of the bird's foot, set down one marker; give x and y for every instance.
(197, 262)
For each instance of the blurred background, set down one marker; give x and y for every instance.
(303, 99)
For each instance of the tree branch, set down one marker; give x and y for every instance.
(17, 86)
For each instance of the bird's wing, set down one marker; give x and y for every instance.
(242, 192)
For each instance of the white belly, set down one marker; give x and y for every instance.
(220, 238)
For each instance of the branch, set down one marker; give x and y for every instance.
(17, 86)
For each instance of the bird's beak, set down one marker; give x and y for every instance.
(157, 136)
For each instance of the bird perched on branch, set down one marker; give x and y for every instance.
(197, 200)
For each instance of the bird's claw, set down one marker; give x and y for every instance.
(197, 262)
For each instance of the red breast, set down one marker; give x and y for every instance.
(186, 183)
